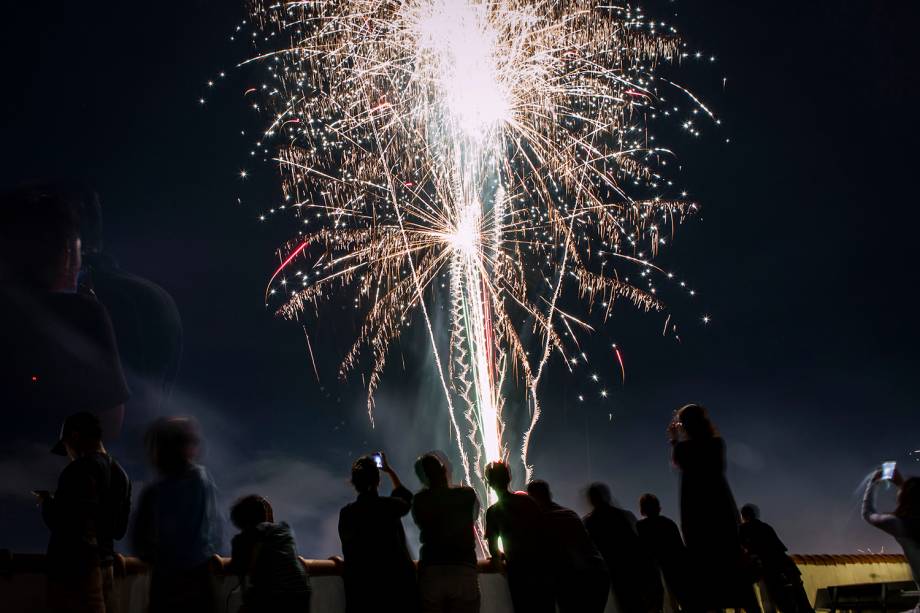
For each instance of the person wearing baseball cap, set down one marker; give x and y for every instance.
(87, 513)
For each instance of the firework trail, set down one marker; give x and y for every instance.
(495, 144)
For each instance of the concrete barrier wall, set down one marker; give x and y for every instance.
(22, 591)
(22, 585)
(820, 571)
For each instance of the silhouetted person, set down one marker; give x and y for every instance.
(661, 538)
(144, 316)
(446, 516)
(264, 557)
(178, 529)
(776, 570)
(59, 353)
(379, 572)
(579, 576)
(635, 580)
(516, 520)
(904, 522)
(86, 515)
(708, 513)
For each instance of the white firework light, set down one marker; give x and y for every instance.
(492, 148)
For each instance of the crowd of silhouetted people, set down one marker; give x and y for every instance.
(62, 364)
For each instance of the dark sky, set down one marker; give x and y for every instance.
(803, 256)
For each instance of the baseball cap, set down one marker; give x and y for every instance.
(84, 423)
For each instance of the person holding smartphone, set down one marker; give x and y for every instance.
(904, 522)
(85, 516)
(379, 573)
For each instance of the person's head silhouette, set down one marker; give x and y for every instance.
(431, 471)
(365, 476)
(250, 511)
(81, 434)
(538, 489)
(498, 476)
(598, 495)
(649, 505)
(695, 422)
(172, 444)
(750, 512)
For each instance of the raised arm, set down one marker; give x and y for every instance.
(401, 498)
(891, 524)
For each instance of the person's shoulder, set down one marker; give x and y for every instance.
(273, 531)
(118, 471)
(524, 499)
(399, 497)
(86, 315)
(469, 496)
(350, 508)
(667, 521)
(79, 466)
(522, 504)
(77, 306)
(764, 527)
(140, 288)
(466, 491)
(564, 514)
(200, 474)
(85, 469)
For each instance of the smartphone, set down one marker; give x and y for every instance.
(888, 470)
(378, 459)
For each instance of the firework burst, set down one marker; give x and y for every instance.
(498, 144)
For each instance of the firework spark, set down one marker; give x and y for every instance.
(500, 144)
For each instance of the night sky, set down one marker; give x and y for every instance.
(804, 257)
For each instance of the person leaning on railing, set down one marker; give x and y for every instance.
(264, 558)
(177, 529)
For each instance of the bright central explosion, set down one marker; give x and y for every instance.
(499, 150)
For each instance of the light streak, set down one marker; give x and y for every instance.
(284, 264)
(619, 355)
(497, 148)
